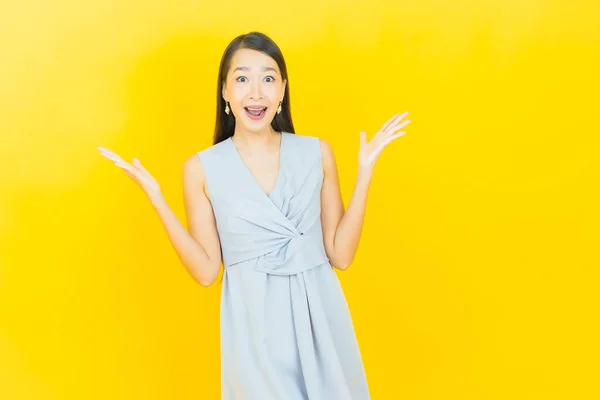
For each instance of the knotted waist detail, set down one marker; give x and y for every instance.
(296, 254)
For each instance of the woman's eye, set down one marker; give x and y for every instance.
(244, 79)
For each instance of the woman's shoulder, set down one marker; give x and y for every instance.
(310, 147)
(213, 150)
(306, 139)
(201, 159)
(312, 142)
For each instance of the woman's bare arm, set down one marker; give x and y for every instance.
(341, 228)
(199, 249)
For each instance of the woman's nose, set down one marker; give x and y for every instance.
(255, 91)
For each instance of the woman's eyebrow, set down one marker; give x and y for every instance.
(248, 69)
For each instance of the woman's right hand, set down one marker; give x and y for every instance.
(136, 172)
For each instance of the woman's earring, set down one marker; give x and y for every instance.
(279, 108)
(226, 107)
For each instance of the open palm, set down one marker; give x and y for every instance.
(135, 171)
(369, 151)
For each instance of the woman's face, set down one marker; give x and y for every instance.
(253, 88)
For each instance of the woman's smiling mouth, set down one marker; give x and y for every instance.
(255, 113)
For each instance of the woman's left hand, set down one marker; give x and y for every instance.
(369, 151)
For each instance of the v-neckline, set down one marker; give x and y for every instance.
(279, 171)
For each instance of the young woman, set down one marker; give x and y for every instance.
(266, 203)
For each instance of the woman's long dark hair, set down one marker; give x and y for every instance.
(225, 124)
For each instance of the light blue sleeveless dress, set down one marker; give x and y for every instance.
(286, 330)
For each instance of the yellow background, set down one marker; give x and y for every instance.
(477, 273)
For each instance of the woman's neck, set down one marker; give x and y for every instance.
(249, 139)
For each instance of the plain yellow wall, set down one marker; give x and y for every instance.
(477, 273)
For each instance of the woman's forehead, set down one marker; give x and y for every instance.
(252, 60)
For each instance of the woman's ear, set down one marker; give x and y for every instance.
(224, 92)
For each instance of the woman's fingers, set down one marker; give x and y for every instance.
(116, 158)
(129, 174)
(135, 171)
(126, 166)
(393, 137)
(113, 158)
(391, 122)
(106, 151)
(396, 122)
(136, 168)
(110, 155)
(371, 150)
(139, 165)
(380, 146)
(396, 127)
